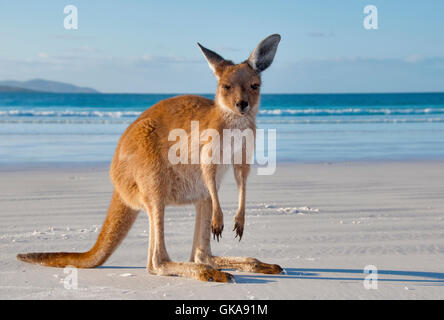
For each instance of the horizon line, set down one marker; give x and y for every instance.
(267, 93)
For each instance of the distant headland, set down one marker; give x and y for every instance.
(42, 85)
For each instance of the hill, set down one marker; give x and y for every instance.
(13, 89)
(42, 85)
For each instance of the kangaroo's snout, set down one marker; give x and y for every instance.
(242, 105)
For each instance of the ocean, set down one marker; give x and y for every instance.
(81, 128)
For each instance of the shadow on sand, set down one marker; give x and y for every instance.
(417, 277)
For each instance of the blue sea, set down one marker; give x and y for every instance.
(81, 128)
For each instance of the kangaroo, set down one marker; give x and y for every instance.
(144, 179)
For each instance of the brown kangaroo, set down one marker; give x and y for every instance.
(145, 179)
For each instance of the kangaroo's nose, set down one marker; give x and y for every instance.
(242, 105)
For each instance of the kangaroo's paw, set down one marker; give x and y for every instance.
(217, 224)
(246, 264)
(239, 221)
(267, 268)
(211, 274)
(197, 271)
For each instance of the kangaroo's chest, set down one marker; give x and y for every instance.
(187, 183)
(189, 186)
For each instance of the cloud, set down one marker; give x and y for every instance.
(358, 74)
(412, 59)
(162, 73)
(72, 36)
(230, 49)
(43, 55)
(417, 58)
(151, 60)
(316, 34)
(87, 49)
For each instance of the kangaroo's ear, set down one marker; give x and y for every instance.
(262, 57)
(214, 60)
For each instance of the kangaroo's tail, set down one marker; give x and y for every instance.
(119, 220)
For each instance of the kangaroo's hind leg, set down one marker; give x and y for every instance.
(159, 262)
(201, 252)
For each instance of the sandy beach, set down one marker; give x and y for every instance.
(323, 223)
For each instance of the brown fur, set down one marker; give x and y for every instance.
(144, 179)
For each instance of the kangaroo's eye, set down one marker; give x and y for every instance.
(226, 87)
(254, 86)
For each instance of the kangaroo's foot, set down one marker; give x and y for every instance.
(246, 264)
(192, 270)
(217, 223)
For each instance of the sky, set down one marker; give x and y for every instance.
(150, 46)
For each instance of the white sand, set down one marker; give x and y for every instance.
(322, 223)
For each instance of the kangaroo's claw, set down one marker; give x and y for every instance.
(239, 222)
(239, 230)
(217, 232)
(217, 224)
